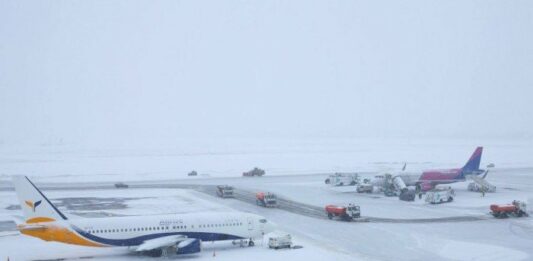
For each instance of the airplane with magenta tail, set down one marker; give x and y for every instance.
(431, 178)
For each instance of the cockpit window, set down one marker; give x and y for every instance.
(262, 220)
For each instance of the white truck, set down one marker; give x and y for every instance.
(225, 191)
(282, 241)
(440, 195)
(365, 188)
(343, 179)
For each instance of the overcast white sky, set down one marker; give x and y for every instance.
(98, 71)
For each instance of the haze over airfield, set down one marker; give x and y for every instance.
(87, 72)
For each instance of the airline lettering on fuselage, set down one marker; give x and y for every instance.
(170, 222)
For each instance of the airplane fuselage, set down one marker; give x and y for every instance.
(134, 230)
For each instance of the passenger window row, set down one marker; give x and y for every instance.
(220, 225)
(134, 229)
(97, 231)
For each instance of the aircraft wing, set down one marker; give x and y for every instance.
(161, 242)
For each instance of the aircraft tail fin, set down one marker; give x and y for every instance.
(34, 204)
(474, 161)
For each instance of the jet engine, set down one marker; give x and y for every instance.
(189, 246)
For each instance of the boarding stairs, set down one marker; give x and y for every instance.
(482, 182)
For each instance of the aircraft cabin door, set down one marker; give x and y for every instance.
(250, 223)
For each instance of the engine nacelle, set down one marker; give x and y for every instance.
(189, 246)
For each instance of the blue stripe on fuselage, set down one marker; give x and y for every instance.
(204, 236)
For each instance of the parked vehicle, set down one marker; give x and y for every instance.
(440, 195)
(365, 188)
(516, 208)
(342, 179)
(254, 172)
(408, 195)
(225, 191)
(475, 187)
(267, 200)
(121, 185)
(277, 242)
(192, 173)
(346, 213)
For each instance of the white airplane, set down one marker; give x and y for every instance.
(148, 235)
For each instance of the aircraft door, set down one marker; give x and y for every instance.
(250, 223)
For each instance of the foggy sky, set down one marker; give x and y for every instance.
(99, 71)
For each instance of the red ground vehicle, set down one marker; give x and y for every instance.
(345, 213)
(517, 209)
(268, 199)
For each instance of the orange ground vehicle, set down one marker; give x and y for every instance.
(346, 213)
(516, 208)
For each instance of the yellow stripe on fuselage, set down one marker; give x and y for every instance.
(39, 220)
(53, 232)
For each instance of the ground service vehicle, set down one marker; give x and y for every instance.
(408, 195)
(475, 187)
(342, 179)
(121, 185)
(365, 188)
(516, 208)
(254, 172)
(277, 242)
(225, 191)
(268, 199)
(346, 213)
(440, 195)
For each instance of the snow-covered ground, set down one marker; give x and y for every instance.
(227, 158)
(292, 173)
